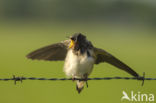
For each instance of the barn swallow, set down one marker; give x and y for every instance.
(80, 56)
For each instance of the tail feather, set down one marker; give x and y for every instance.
(80, 86)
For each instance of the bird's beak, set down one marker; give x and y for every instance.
(72, 43)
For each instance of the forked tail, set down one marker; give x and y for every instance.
(80, 85)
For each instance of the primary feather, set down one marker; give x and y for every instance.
(52, 52)
(103, 56)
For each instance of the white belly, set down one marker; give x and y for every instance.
(78, 66)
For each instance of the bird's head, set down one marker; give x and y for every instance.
(77, 41)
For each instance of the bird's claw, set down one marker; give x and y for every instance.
(87, 84)
(73, 79)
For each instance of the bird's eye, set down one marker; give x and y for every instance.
(73, 39)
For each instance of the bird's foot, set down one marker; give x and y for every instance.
(86, 79)
(87, 84)
(73, 79)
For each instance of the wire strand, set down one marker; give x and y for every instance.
(15, 79)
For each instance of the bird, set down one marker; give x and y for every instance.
(80, 56)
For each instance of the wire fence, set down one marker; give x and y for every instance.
(15, 79)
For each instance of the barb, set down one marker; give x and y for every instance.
(15, 79)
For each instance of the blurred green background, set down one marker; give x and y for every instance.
(126, 29)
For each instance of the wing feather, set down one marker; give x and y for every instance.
(103, 56)
(52, 52)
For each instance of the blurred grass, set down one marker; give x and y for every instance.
(135, 46)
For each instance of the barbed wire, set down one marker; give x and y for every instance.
(15, 79)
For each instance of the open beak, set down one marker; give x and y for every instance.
(72, 43)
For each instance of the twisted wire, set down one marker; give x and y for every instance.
(15, 79)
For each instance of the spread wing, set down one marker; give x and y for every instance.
(52, 52)
(103, 56)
